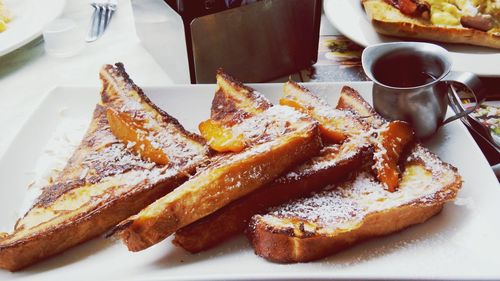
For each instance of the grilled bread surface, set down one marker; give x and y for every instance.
(388, 20)
(276, 139)
(360, 208)
(104, 181)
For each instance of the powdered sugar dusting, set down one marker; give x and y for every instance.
(329, 157)
(326, 111)
(431, 162)
(271, 124)
(346, 204)
(320, 209)
(180, 150)
(128, 104)
(152, 176)
(63, 141)
(114, 159)
(260, 100)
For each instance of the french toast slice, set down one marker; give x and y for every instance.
(277, 138)
(389, 20)
(334, 163)
(105, 180)
(357, 209)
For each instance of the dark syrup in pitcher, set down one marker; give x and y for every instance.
(403, 70)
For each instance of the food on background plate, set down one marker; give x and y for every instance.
(5, 16)
(475, 22)
(489, 116)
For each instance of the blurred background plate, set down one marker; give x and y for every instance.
(29, 18)
(349, 18)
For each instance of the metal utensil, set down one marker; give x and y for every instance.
(414, 97)
(470, 121)
(101, 17)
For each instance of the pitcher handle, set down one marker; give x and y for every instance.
(471, 82)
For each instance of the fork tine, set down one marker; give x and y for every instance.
(107, 17)
(94, 23)
(102, 19)
(111, 4)
(103, 12)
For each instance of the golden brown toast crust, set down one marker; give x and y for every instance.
(351, 100)
(333, 164)
(233, 101)
(283, 247)
(102, 184)
(276, 139)
(22, 249)
(407, 27)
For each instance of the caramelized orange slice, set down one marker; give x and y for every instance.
(220, 138)
(132, 132)
(326, 126)
(335, 125)
(392, 140)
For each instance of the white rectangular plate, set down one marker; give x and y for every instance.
(463, 242)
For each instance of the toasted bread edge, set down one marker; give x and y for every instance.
(408, 29)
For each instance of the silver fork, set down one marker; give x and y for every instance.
(103, 12)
